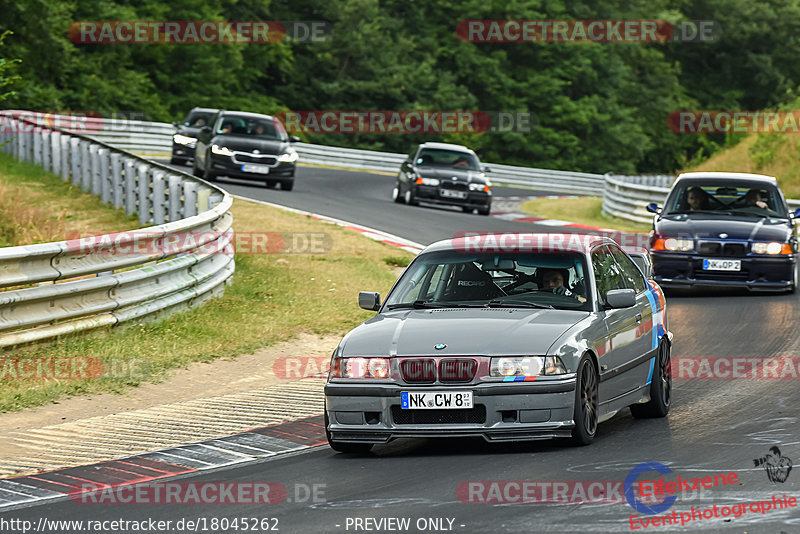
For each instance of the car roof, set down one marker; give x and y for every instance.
(205, 110)
(447, 146)
(520, 242)
(728, 176)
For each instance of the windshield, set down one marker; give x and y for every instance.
(749, 199)
(197, 119)
(266, 128)
(513, 280)
(434, 157)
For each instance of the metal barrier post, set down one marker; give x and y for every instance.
(130, 186)
(175, 193)
(117, 191)
(105, 182)
(86, 166)
(159, 197)
(143, 176)
(189, 199)
(94, 156)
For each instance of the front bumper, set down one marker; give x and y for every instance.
(757, 272)
(514, 411)
(433, 195)
(226, 166)
(182, 152)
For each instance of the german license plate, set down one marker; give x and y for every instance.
(449, 193)
(436, 400)
(722, 265)
(258, 169)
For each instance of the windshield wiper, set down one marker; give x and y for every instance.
(417, 304)
(516, 304)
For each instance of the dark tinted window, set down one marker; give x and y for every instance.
(607, 272)
(262, 128)
(454, 159)
(743, 198)
(197, 119)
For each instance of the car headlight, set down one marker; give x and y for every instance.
(773, 248)
(288, 157)
(678, 244)
(221, 150)
(477, 186)
(428, 181)
(184, 139)
(526, 366)
(360, 368)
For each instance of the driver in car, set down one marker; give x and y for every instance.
(554, 280)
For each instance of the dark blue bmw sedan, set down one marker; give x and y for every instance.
(725, 230)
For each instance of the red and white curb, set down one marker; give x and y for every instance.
(244, 447)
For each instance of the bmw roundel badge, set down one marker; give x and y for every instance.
(440, 346)
(723, 235)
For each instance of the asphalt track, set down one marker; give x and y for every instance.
(715, 426)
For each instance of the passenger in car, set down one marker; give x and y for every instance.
(753, 198)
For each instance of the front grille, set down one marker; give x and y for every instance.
(720, 248)
(458, 186)
(475, 415)
(457, 370)
(733, 249)
(418, 370)
(241, 157)
(709, 248)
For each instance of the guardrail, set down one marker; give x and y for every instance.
(154, 139)
(94, 281)
(623, 196)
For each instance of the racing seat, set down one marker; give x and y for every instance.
(471, 283)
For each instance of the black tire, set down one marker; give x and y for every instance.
(660, 387)
(466, 209)
(176, 161)
(208, 174)
(795, 280)
(287, 185)
(197, 172)
(485, 211)
(396, 196)
(270, 184)
(586, 405)
(338, 446)
(409, 197)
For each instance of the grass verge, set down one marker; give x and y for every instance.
(272, 298)
(583, 210)
(37, 207)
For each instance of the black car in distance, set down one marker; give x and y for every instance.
(247, 146)
(186, 132)
(442, 173)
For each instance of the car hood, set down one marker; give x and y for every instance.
(465, 331)
(451, 174)
(737, 228)
(249, 144)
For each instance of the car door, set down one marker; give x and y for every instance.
(620, 348)
(639, 370)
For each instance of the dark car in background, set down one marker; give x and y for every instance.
(725, 230)
(185, 136)
(442, 173)
(247, 146)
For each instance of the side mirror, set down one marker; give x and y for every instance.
(797, 213)
(369, 300)
(175, 124)
(293, 139)
(653, 208)
(206, 129)
(621, 298)
(487, 169)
